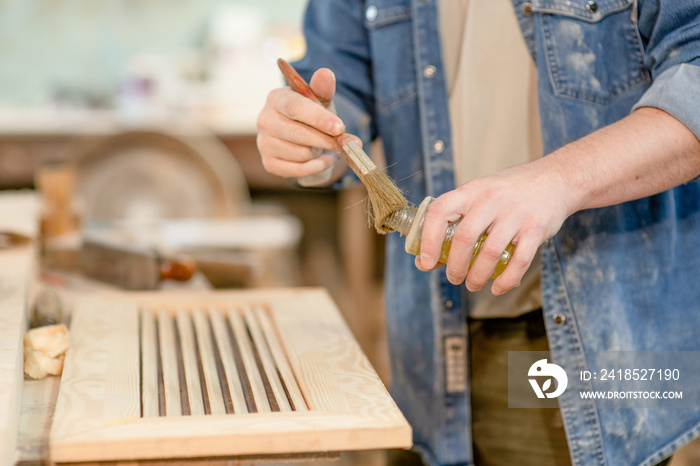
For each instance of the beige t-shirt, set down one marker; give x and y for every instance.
(492, 86)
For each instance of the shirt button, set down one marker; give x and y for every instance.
(371, 13)
(559, 319)
(439, 146)
(449, 304)
(592, 6)
(527, 9)
(429, 71)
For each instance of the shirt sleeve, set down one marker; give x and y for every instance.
(337, 39)
(671, 29)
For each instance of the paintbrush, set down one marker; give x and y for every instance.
(384, 196)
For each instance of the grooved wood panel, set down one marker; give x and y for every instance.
(182, 375)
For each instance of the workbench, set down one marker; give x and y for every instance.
(18, 267)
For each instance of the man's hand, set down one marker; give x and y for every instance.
(643, 154)
(524, 205)
(293, 130)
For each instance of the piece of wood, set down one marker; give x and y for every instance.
(281, 361)
(266, 360)
(189, 354)
(206, 353)
(247, 460)
(12, 327)
(18, 215)
(149, 365)
(233, 379)
(171, 374)
(348, 406)
(262, 405)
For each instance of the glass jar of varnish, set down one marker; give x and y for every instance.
(409, 221)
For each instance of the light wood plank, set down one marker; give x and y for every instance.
(247, 434)
(223, 342)
(149, 365)
(12, 328)
(206, 353)
(100, 381)
(245, 348)
(168, 357)
(36, 415)
(19, 213)
(332, 370)
(189, 356)
(266, 359)
(281, 360)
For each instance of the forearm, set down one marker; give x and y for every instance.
(643, 154)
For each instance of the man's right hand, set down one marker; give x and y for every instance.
(293, 130)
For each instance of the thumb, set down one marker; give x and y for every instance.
(323, 85)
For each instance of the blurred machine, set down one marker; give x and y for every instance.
(128, 209)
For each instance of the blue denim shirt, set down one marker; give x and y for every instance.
(617, 278)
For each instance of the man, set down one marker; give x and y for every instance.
(612, 204)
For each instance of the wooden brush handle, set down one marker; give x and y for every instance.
(361, 166)
(296, 82)
(298, 85)
(181, 268)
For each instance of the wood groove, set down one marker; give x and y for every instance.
(206, 353)
(150, 381)
(238, 359)
(181, 375)
(235, 319)
(290, 383)
(266, 361)
(191, 367)
(220, 371)
(199, 360)
(159, 375)
(171, 378)
(233, 378)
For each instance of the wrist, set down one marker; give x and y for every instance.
(569, 179)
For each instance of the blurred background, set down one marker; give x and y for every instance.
(132, 125)
(209, 59)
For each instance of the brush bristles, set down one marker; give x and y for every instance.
(385, 198)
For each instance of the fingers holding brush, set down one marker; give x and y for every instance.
(298, 161)
(295, 133)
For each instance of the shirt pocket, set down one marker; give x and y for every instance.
(593, 49)
(389, 30)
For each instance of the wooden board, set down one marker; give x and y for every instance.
(18, 214)
(12, 326)
(182, 375)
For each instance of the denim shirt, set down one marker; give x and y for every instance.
(617, 278)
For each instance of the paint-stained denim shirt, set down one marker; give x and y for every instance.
(618, 278)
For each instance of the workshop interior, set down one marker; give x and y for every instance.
(138, 223)
(166, 300)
